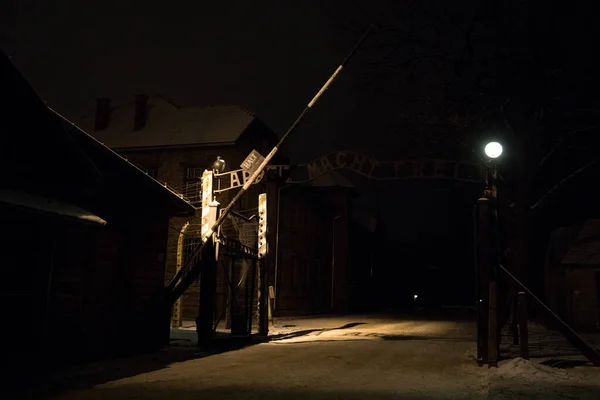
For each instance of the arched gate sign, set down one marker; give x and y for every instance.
(365, 166)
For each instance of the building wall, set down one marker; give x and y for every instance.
(171, 167)
(80, 295)
(581, 296)
(360, 269)
(337, 199)
(571, 288)
(304, 254)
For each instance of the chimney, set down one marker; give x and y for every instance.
(141, 112)
(102, 113)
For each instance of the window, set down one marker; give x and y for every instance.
(193, 184)
(195, 172)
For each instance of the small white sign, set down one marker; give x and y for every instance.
(262, 225)
(252, 162)
(208, 217)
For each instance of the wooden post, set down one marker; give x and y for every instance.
(477, 280)
(230, 293)
(250, 301)
(493, 342)
(208, 286)
(523, 331)
(271, 305)
(562, 327)
(514, 320)
(484, 264)
(263, 299)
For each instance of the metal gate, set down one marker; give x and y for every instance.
(237, 274)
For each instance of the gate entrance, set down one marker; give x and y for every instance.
(228, 268)
(237, 310)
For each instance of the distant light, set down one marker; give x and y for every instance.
(415, 297)
(493, 150)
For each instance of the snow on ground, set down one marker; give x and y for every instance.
(357, 357)
(525, 379)
(545, 343)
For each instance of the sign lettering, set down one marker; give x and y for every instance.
(360, 164)
(252, 162)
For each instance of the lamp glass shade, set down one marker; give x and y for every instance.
(493, 150)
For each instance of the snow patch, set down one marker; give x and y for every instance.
(47, 205)
(525, 369)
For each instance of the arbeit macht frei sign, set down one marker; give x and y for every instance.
(365, 166)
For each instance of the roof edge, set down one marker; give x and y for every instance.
(182, 203)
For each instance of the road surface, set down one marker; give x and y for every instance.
(355, 357)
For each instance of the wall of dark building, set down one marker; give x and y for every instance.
(581, 296)
(338, 200)
(572, 277)
(304, 256)
(76, 292)
(362, 262)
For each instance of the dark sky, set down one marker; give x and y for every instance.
(269, 56)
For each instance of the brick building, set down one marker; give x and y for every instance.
(176, 144)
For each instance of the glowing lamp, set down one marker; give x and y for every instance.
(493, 150)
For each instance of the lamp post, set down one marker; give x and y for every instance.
(486, 239)
(218, 167)
(492, 150)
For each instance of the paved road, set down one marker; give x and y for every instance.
(356, 357)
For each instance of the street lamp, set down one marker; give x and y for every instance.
(487, 244)
(493, 150)
(219, 165)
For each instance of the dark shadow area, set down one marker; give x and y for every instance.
(438, 338)
(564, 364)
(292, 335)
(350, 325)
(145, 391)
(309, 331)
(544, 343)
(289, 326)
(436, 314)
(78, 377)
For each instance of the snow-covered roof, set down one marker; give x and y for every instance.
(170, 125)
(26, 200)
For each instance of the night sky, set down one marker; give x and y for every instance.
(269, 56)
